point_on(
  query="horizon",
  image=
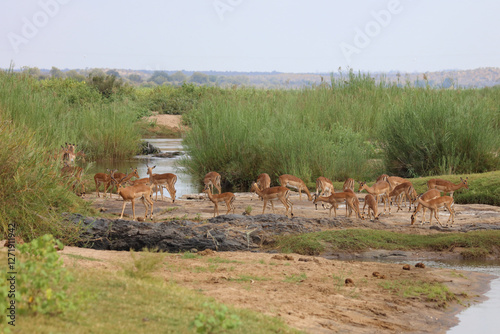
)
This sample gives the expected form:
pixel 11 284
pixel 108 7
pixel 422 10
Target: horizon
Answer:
pixel 285 36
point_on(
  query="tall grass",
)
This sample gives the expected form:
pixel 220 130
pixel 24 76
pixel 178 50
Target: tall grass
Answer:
pixel 352 127
pixel 242 133
pixel 60 111
pixel 441 132
pixel 31 194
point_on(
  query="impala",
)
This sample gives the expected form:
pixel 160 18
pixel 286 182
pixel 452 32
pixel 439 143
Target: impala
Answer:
pixel 76 173
pixel 427 196
pixel 379 188
pixel 119 176
pixel 446 186
pixel 348 184
pixel 105 179
pixel 434 205
pixel 393 180
pixel 287 180
pixel 212 179
pixel 227 197
pixel 372 207
pixel 272 194
pixel 167 179
pixel 264 181
pixel 404 189
pixel 350 198
pixel 131 193
pixel 325 186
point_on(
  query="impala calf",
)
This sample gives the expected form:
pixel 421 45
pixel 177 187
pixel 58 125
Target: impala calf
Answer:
pixel 446 186
pixel 434 205
pixel 350 199
pixel 228 198
pixel 272 194
pixel 212 179
pixel 287 180
pixel 381 188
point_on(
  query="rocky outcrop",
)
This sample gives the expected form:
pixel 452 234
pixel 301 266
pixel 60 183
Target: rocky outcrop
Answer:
pixel 222 233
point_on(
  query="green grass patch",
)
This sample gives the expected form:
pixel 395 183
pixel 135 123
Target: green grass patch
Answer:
pixel 479 242
pixel 431 292
pixel 80 257
pixel 295 278
pixel 122 304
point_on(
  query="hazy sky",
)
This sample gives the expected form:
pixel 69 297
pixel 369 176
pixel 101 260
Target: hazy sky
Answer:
pixel 251 35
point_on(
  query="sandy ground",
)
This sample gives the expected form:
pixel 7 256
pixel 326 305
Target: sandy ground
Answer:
pixel 309 293
pixel 170 121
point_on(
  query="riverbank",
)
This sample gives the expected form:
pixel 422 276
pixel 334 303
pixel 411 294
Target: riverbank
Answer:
pixel 308 292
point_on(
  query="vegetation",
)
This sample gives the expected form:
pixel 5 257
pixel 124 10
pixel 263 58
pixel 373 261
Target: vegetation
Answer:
pixel 121 302
pixel 353 127
pixel 433 291
pixel 40 282
pixel 483 242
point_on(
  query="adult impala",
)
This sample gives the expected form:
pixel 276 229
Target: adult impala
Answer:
pixel 105 179
pixel 264 181
pixel 287 180
pixel 131 193
pixel 167 179
pixel 74 173
pixel 403 190
pixel 272 194
pixel 227 197
pixel 212 179
pixel 119 176
pixel 324 186
pixel 348 184
pixel 447 186
pixel 427 196
pixel 381 188
pixel 348 196
pixel 434 205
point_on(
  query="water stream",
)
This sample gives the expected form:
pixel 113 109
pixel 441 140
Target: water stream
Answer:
pixel 479 318
pixel 184 183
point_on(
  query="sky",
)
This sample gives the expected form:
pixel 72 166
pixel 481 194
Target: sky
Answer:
pixel 298 36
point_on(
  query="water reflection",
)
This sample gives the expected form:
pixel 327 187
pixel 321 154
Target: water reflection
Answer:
pixel 184 183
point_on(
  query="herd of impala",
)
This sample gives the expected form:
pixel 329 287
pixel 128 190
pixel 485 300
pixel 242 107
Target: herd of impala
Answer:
pixel 390 189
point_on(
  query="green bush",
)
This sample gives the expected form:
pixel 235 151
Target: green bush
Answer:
pixel 40 280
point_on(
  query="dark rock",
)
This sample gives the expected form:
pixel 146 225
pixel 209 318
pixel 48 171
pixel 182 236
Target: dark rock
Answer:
pixel 148 148
pixel 167 154
pixel 222 233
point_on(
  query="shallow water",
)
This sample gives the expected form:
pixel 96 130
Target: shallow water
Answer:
pixel 184 183
pixel 483 317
